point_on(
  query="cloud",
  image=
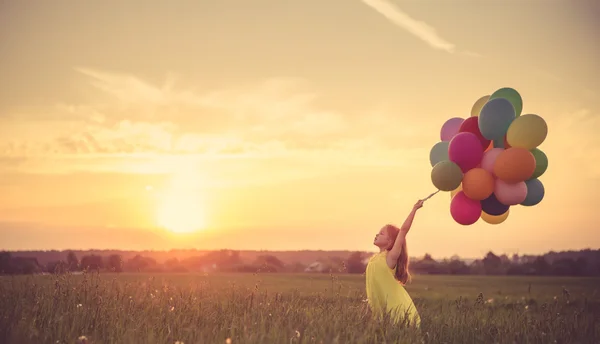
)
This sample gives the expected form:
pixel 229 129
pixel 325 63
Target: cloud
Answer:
pixel 134 126
pixel 419 29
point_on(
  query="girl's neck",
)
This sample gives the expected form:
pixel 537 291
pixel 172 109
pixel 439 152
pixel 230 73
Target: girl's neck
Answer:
pixel 382 249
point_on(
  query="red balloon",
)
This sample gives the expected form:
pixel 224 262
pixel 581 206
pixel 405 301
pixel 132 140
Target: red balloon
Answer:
pixel 471 125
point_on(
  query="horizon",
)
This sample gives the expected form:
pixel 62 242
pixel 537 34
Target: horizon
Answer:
pixel 196 125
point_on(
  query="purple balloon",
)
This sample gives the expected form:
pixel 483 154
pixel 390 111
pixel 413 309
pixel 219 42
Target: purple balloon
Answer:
pixel 450 128
pixel 492 206
pixel 465 150
pixel 464 210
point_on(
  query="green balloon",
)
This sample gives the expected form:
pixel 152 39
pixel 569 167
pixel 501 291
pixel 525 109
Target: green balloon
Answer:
pixel 512 96
pixel 541 163
pixel 439 152
pixel 446 175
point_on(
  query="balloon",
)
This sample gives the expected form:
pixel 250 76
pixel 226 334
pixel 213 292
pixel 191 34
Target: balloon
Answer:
pixel 535 192
pixel 510 194
pixel 464 210
pixel 489 159
pixel 541 163
pixel 455 191
pixel 492 206
pixel 478 184
pixel 465 150
pixel 514 165
pixel 494 219
pixel 446 175
pixel 506 144
pixel 527 131
pixel 501 143
pixel 471 125
pixel 439 152
pixel 490 147
pixel 512 96
pixel 450 128
pixel 495 118
pixel 476 109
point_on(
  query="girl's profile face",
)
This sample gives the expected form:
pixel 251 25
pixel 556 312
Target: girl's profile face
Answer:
pixel 382 239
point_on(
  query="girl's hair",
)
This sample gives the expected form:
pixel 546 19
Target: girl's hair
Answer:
pixel 401 274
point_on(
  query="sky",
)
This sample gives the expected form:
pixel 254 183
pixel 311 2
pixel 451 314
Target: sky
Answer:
pixel 282 125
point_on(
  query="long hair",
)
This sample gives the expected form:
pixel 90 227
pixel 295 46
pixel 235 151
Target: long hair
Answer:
pixel 401 273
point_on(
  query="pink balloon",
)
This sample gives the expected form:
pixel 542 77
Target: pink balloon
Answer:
pixel 489 159
pixel 465 150
pixel 450 128
pixel 510 194
pixel 464 210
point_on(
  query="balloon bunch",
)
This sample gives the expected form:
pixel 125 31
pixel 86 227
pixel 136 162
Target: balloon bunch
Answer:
pixel 490 161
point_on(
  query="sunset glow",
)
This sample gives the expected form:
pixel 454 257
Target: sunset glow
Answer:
pixel 276 129
pixel 182 207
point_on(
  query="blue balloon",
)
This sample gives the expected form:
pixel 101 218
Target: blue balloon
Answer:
pixel 492 206
pixel 495 118
pixel 439 152
pixel 499 143
pixel 535 192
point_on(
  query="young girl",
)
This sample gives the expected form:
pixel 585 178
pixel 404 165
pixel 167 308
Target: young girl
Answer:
pixel 387 273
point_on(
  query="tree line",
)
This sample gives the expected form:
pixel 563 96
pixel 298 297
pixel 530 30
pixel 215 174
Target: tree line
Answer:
pixel 573 263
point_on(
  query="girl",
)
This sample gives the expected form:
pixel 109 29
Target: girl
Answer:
pixel 387 273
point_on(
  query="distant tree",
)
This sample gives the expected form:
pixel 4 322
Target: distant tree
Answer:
pixel 5 263
pixel 354 263
pixel 540 266
pixel 457 267
pixel 427 265
pixel 268 263
pixel 57 267
pixel 72 261
pixel 25 265
pixel 115 263
pixel 92 263
pixel 492 264
pixel 140 263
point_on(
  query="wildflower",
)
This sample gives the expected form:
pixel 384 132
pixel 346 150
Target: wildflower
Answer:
pixel 489 301
pixel 297 334
pixel 79 305
pixel 179 342
pixel 82 340
pixel 526 307
pixel 228 341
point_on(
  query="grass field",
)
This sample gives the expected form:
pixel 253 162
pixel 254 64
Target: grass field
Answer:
pixel 282 308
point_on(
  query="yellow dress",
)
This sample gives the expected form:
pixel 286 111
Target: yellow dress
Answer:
pixel 384 292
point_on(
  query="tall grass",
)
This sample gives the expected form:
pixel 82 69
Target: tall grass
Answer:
pixel 246 308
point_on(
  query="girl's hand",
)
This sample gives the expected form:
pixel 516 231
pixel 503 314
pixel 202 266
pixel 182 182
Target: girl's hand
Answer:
pixel 418 205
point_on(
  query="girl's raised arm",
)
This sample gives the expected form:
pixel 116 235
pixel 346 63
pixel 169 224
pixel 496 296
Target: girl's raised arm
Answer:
pixel 394 253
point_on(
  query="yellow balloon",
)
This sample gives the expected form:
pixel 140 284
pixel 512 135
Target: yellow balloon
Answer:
pixel 527 131
pixel 455 191
pixel 494 220
pixel 476 109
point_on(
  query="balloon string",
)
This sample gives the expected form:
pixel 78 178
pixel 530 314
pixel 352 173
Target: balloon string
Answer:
pixel 428 197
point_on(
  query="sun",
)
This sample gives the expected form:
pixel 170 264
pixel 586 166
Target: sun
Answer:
pixel 182 207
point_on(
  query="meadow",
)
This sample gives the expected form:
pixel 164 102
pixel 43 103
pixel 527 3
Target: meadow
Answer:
pixel 292 308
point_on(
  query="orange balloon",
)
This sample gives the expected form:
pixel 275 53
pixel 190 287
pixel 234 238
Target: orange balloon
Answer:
pixel 514 165
pixel 478 184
